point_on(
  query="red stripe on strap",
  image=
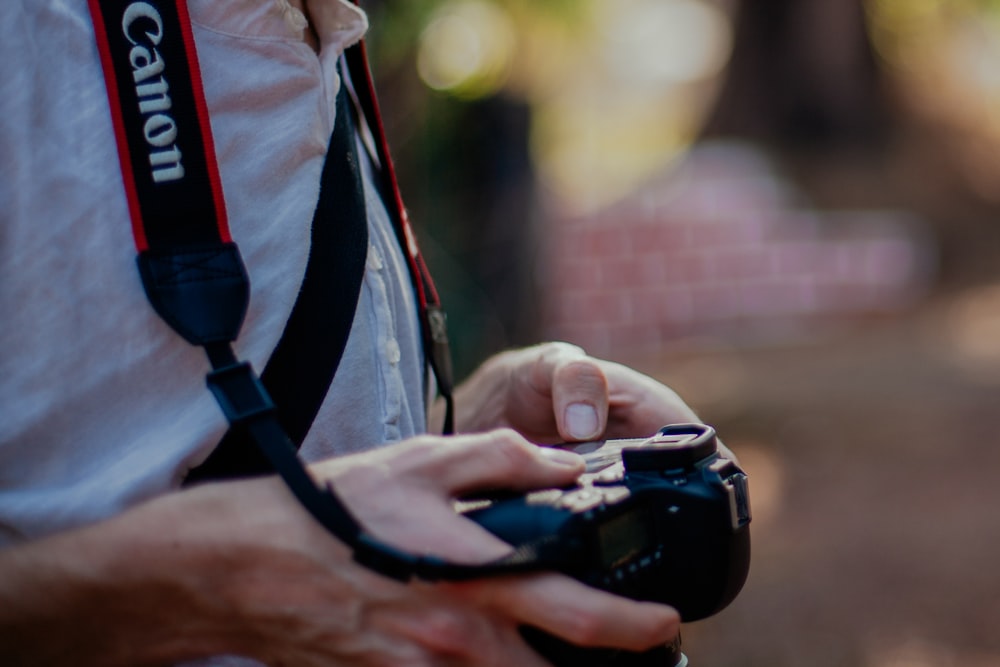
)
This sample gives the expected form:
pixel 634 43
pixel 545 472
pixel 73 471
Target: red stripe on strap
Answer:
pixel 420 275
pixel 124 158
pixel 203 121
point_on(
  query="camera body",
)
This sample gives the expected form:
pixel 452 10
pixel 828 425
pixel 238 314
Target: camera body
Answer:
pixel 663 519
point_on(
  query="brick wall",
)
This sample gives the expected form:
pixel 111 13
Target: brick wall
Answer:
pixel 722 246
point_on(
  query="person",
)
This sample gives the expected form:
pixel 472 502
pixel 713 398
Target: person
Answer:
pixel 104 558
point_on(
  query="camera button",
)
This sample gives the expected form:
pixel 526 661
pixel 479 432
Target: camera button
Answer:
pixel 613 475
pixel 722 467
pixel 581 500
pixel 546 497
pixel 615 494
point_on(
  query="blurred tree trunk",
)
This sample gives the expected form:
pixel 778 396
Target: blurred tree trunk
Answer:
pixel 803 76
pixel 804 83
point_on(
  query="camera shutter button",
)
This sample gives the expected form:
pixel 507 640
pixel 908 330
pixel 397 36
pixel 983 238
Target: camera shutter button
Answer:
pixel 581 500
pixel 613 475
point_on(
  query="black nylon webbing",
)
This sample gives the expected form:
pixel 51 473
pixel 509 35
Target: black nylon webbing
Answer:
pixel 299 372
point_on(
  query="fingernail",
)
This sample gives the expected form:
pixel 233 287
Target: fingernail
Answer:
pixel 581 421
pixel 562 457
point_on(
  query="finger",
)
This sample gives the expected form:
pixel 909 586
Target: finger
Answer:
pixel 578 389
pixel 583 615
pixel 387 487
pixel 459 634
pixel 450 466
pixel 499 459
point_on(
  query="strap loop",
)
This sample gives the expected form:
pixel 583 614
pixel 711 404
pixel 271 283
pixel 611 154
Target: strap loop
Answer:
pixel 240 393
pixel 201 292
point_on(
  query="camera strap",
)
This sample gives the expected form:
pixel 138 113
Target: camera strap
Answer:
pixel 432 316
pixel 192 270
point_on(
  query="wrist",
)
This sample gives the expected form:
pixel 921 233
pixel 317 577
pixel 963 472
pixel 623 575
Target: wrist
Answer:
pixel 149 587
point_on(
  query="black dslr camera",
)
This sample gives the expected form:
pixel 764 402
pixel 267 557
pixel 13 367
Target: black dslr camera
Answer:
pixel 663 519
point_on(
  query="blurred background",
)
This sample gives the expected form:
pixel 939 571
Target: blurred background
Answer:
pixel 785 209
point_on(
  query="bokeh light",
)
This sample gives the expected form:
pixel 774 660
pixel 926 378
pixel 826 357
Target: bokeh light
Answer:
pixel 617 88
pixel 633 99
pixel 662 43
pixel 467 49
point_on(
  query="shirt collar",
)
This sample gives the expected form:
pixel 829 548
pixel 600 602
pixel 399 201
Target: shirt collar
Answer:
pixel 338 23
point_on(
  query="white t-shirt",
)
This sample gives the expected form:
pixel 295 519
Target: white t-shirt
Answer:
pixel 101 404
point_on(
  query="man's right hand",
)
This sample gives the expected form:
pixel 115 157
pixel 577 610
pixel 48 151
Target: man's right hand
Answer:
pixel 241 568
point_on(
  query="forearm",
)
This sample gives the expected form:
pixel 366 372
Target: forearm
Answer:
pixel 140 589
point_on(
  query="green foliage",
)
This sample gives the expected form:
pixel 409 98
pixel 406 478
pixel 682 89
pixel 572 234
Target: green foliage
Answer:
pixel 396 25
pixel 395 28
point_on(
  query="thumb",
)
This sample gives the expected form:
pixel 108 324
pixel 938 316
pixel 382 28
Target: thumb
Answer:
pixel 579 392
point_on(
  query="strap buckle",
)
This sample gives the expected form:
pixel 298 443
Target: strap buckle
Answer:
pixel 239 392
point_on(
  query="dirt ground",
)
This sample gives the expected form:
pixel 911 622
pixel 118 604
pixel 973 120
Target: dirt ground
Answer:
pixel 874 463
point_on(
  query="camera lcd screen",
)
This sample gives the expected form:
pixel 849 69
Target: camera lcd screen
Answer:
pixel 623 538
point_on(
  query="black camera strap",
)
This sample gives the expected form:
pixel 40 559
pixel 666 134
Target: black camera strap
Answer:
pixel 193 273
pixel 191 269
pixel 299 371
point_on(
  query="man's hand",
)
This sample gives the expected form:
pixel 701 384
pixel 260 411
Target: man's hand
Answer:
pixel 554 392
pixel 240 567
